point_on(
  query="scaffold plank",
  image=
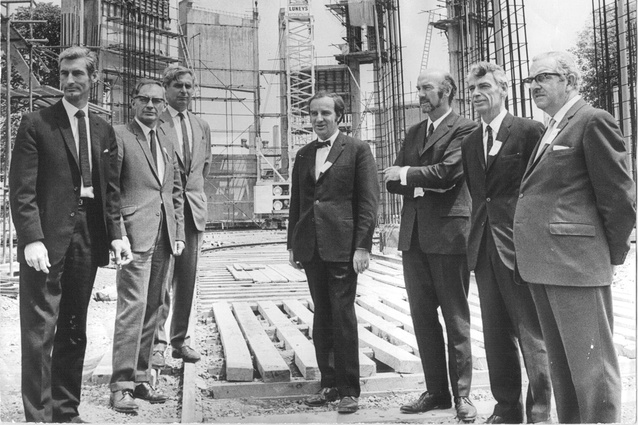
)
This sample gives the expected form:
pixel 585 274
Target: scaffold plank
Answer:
pixel 270 363
pixel 389 331
pixel 386 312
pixel 239 365
pixel 398 359
pixel 239 274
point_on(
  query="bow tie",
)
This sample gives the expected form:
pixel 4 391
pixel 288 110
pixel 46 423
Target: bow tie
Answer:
pixel 324 144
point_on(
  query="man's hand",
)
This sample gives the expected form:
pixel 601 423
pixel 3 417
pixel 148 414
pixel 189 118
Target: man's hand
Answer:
pixel 392 173
pixel 361 260
pixel 291 260
pixel 179 248
pixel 121 249
pixel 37 256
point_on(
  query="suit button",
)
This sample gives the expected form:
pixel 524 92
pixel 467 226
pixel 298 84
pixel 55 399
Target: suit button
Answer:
pixel 157 214
pixel 75 189
pixel 72 214
pixel 317 202
pixel 520 195
pixel 488 199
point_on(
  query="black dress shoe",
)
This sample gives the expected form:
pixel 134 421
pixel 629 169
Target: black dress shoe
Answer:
pixel 348 404
pixel 495 419
pixel 122 401
pixel 186 353
pixel 145 391
pixel 324 396
pixel 77 420
pixel 426 402
pixel 465 410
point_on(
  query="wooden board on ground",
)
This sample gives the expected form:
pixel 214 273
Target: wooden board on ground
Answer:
pixel 239 274
pixel 398 359
pixel 270 363
pixel 239 365
pixel 388 313
pixel 305 358
pixel 389 331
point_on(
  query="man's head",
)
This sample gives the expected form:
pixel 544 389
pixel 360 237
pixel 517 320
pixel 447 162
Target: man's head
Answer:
pixel 148 102
pixel 554 79
pixel 78 71
pixel 326 111
pixel 487 83
pixel 179 83
pixel 436 91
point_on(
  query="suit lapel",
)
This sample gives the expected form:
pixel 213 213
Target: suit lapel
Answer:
pixel 502 136
pixel 420 138
pixel 197 138
pixel 333 155
pixel 439 132
pixel 67 134
pixel 167 123
pixel 144 145
pixel 477 146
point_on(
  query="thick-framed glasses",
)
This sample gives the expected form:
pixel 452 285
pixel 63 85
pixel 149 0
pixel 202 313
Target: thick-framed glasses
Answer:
pixel 540 78
pixel 157 101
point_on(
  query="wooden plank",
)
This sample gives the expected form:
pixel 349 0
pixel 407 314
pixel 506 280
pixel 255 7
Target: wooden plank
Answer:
pixel 259 276
pixel 274 275
pixel 390 290
pixel 289 272
pixel 367 367
pixel 270 363
pixel 390 280
pixel 399 305
pixel 386 312
pixel 387 330
pixel 305 358
pixel 239 274
pixel 239 365
pixel 398 359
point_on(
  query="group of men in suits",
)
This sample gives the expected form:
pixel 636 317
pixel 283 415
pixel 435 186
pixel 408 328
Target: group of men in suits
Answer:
pixel 542 216
pixel 78 188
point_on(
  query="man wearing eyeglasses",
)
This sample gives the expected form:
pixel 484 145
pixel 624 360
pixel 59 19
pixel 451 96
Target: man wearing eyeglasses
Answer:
pixel 152 219
pixel 575 211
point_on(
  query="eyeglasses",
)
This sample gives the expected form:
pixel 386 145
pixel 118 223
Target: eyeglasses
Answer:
pixel 539 78
pixel 157 101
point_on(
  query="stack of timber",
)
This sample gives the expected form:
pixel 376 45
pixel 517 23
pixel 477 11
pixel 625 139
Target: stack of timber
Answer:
pixel 263 312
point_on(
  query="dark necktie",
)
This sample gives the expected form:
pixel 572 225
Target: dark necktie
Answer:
pixel 323 144
pixel 490 143
pixel 85 164
pixel 430 131
pixel 153 147
pixel 185 145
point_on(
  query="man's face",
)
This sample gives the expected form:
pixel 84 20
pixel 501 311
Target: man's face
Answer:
pixel 149 104
pixel 75 81
pixel 430 94
pixel 323 117
pixel 551 94
pixel 487 95
pixel 180 92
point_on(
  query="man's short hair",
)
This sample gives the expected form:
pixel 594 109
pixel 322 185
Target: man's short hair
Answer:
pixel 340 106
pixel 145 82
pixel 482 68
pixel 449 84
pixel 565 64
pixel 80 52
pixel 173 72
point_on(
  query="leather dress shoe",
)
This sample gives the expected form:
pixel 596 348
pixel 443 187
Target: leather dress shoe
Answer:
pixel 495 419
pixel 158 361
pixel 428 401
pixel 324 396
pixel 122 401
pixel 465 410
pixel 76 420
pixel 146 392
pixel 186 353
pixel 348 404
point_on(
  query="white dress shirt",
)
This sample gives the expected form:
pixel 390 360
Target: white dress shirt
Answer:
pixel 322 154
pixel 85 192
pixel 177 121
pixel 495 125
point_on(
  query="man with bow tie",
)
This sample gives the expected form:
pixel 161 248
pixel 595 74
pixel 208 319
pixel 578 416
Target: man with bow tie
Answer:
pixel 333 211
pixel 433 237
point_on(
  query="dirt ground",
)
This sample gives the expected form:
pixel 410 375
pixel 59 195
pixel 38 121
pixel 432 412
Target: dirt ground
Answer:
pixel 95 398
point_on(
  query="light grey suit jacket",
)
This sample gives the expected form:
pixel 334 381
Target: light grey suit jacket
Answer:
pixel 143 191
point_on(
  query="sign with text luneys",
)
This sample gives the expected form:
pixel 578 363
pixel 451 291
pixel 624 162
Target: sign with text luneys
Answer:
pixel 272 198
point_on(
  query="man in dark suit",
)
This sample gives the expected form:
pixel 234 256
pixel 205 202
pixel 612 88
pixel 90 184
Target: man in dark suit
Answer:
pixel 151 213
pixel 575 212
pixel 60 196
pixel 333 210
pixel 495 156
pixel 433 237
pixel 191 139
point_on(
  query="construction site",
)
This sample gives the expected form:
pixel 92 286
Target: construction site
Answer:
pixel 252 90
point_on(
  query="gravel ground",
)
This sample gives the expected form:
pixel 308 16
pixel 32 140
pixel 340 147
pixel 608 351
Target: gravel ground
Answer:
pixel 95 398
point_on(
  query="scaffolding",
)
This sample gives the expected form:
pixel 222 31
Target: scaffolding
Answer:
pixel 614 67
pixel 488 30
pixel 373 37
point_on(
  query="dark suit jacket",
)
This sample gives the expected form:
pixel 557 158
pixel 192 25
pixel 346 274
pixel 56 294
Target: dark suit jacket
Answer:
pixel 576 205
pixel 494 190
pixel 143 192
pixel 194 178
pixel 338 211
pixel 44 182
pixel 442 217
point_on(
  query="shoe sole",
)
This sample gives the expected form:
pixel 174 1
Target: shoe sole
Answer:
pixel 439 407
pixel 127 411
pixel 348 410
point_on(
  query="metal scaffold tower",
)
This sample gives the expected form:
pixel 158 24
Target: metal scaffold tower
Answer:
pixel 297 59
pixel 488 30
pixel 373 37
pixel 614 67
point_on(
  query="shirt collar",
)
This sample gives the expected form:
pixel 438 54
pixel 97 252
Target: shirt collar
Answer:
pixel 495 124
pixel 71 110
pixel 440 120
pixel 558 117
pixel 174 111
pixel 144 128
pixel 332 138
